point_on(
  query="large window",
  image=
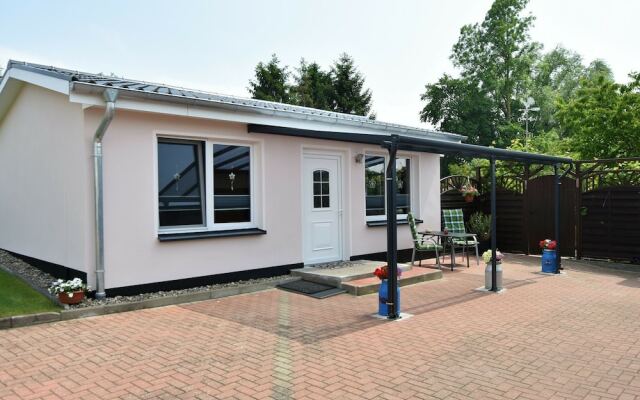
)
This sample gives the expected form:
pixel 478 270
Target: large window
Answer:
pixel 375 187
pixel 231 183
pixel 190 172
pixel 180 183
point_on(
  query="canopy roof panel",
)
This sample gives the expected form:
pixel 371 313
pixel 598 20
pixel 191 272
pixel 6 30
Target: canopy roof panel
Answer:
pixel 412 143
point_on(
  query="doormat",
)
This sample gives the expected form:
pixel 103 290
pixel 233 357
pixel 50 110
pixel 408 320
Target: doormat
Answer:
pixel 312 289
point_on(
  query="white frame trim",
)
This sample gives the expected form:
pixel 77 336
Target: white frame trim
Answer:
pixel 255 190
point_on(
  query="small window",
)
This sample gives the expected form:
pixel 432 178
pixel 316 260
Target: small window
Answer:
pixel 374 182
pixel 231 183
pixel 321 195
pixel 180 183
pixel 402 185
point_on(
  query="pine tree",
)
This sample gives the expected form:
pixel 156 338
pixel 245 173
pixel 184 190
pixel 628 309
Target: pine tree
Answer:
pixel 313 87
pixel 349 94
pixel 270 82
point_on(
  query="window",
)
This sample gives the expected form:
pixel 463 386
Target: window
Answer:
pixel 374 181
pixel 403 199
pixel 190 171
pixel 375 170
pixel 321 197
pixel 231 183
pixel 180 183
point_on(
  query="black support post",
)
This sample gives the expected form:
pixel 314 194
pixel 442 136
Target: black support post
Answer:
pixel 494 272
pixel 392 227
pixel 557 216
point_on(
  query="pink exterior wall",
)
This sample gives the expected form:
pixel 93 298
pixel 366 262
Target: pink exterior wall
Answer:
pixel 45 179
pixel 133 254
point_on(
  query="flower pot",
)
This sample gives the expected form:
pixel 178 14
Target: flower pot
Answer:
pixel 383 296
pixel 549 261
pixel 488 272
pixel 71 298
pixel 469 198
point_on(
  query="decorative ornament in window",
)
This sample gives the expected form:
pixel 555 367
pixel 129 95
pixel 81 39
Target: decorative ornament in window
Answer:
pixel 232 177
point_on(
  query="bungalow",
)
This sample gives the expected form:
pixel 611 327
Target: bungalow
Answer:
pixel 137 186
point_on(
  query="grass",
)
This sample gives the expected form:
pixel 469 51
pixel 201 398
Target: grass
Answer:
pixel 18 298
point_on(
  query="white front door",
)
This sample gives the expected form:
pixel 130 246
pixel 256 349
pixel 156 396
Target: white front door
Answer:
pixel 321 208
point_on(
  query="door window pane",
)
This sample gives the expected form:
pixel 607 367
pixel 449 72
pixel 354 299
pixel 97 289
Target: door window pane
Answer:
pixel 374 185
pixel 321 195
pixel 180 183
pixel 403 197
pixel 231 183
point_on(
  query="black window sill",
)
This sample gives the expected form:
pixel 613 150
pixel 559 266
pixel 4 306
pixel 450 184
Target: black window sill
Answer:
pixel 166 237
pixel 384 222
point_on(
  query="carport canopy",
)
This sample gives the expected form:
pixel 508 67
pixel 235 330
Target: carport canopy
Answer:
pixel 426 144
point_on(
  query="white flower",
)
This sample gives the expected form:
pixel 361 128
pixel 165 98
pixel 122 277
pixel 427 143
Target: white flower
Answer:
pixel 70 294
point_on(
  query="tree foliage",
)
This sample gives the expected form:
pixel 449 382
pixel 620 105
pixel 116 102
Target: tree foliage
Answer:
pixel 313 87
pixel 602 120
pixel 349 93
pixel 271 82
pixel 340 89
pixel 499 54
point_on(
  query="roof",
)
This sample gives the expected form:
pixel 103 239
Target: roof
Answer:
pixel 408 143
pixel 174 93
pixel 375 132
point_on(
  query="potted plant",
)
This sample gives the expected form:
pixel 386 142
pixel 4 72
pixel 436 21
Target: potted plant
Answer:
pixel 487 257
pixel 69 292
pixel 549 256
pixel 383 293
pixel 469 192
pixel 480 224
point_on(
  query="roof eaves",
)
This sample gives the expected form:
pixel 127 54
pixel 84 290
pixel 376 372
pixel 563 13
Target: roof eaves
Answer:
pixel 283 110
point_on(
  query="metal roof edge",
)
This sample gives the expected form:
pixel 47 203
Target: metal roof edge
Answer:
pixel 378 127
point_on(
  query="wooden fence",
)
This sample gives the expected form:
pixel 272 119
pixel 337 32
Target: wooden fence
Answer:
pixel 600 208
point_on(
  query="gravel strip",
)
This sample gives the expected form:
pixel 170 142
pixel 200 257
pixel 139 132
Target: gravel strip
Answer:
pixel 42 280
pixel 339 264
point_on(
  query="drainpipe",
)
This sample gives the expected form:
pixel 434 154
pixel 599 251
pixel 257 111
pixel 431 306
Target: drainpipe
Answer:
pixel 110 96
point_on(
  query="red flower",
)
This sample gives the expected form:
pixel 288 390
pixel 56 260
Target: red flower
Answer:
pixel 548 244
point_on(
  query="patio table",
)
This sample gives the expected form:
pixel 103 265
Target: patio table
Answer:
pixel 448 238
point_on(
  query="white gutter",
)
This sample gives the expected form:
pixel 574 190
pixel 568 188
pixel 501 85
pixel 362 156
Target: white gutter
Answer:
pixel 110 96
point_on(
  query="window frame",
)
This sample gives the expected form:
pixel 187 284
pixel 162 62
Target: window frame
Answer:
pixel 208 194
pixel 412 185
pixel 201 147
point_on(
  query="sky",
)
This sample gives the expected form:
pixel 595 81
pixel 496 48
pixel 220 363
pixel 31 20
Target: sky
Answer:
pixel 399 46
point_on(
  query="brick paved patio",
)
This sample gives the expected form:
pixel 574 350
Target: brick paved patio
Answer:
pixel 547 337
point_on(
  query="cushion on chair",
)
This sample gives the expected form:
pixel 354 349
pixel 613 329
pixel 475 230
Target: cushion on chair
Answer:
pixel 462 242
pixel 454 220
pixel 428 246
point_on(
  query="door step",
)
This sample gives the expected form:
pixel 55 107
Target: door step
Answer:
pixel 360 287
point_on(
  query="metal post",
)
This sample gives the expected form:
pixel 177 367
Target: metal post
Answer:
pixel 557 217
pixel 392 231
pixel 494 272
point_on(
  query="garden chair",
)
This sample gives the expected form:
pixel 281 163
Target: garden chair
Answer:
pixel 454 223
pixel 422 243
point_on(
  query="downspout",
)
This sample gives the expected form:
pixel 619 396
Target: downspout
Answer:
pixel 110 96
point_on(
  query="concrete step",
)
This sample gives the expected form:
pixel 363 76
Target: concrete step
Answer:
pixel 370 285
pixel 352 270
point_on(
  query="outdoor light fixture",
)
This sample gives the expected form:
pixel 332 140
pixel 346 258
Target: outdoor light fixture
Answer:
pixel 359 158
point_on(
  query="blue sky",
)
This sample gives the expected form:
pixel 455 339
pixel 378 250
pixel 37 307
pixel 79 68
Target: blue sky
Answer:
pixel 214 45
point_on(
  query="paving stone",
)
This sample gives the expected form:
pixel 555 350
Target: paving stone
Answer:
pixel 574 337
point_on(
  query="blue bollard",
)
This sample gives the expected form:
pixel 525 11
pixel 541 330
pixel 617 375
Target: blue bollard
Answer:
pixel 383 295
pixel 549 261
